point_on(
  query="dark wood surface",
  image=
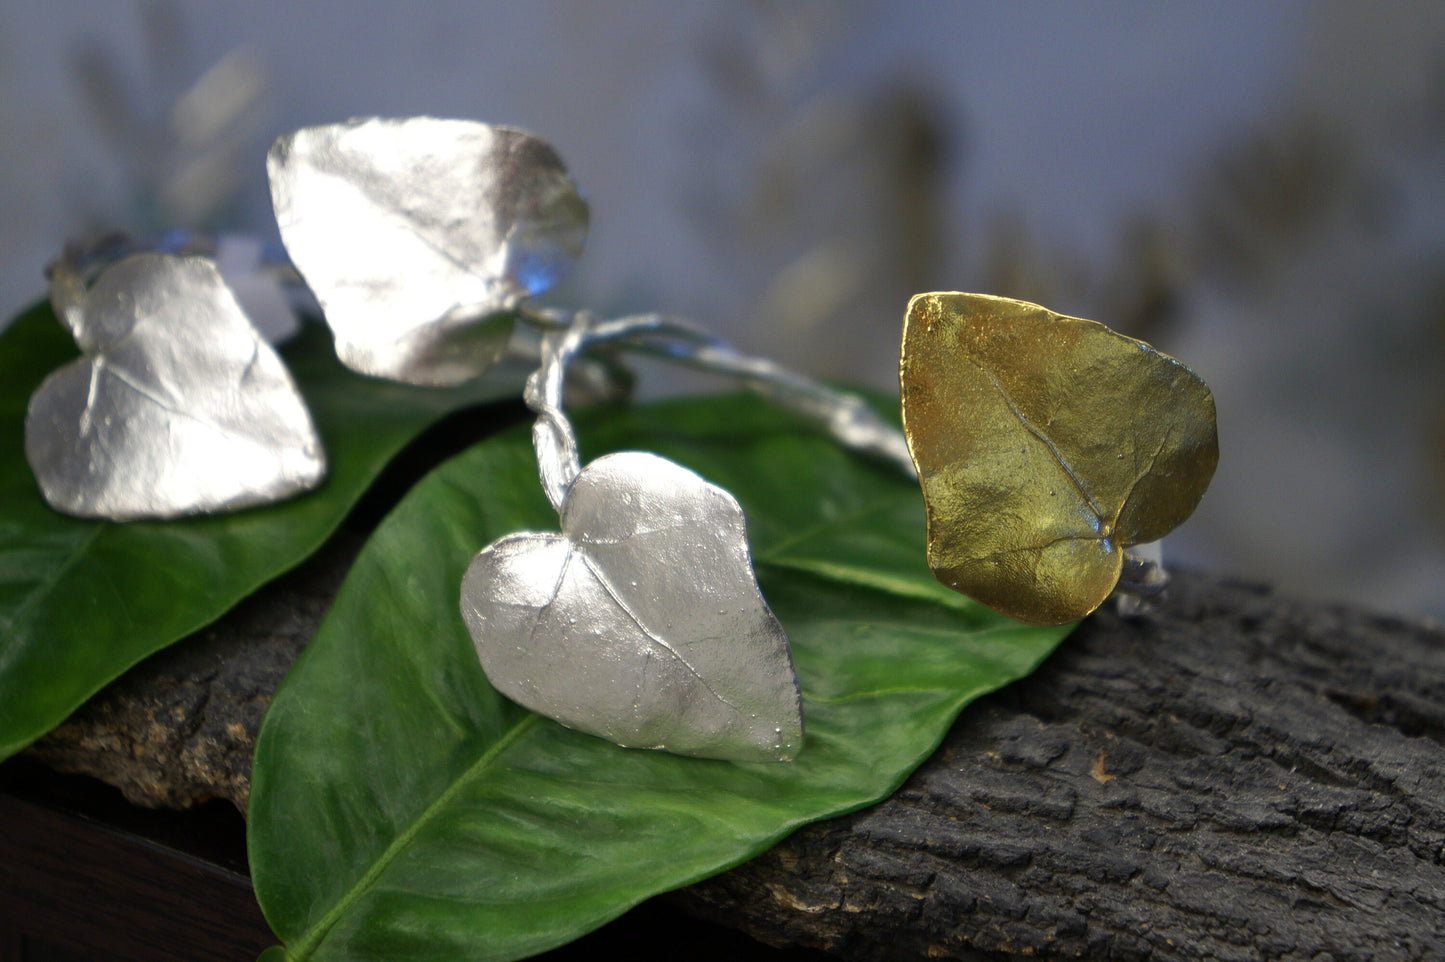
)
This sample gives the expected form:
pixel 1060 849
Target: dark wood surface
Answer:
pixel 83 875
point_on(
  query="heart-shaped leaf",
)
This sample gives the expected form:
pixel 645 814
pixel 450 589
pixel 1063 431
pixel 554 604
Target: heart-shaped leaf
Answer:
pixel 641 622
pixel 401 808
pixel 419 236
pixel 178 407
pixel 1045 446
pixel 81 600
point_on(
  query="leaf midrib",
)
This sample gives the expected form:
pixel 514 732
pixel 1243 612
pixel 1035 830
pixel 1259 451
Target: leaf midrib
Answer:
pixel 312 938
pixel 1041 437
pixel 773 552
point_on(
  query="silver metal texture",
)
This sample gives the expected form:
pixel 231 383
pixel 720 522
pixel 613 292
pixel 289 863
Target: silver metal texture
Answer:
pixel 1143 579
pixel 420 236
pixel 258 273
pixel 558 462
pixel 177 407
pixel 847 417
pixel 641 622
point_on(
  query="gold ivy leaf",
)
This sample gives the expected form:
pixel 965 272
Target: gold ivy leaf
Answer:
pixel 1045 445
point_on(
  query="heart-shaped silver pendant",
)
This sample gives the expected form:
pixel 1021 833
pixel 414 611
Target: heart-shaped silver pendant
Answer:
pixel 177 407
pixel 642 622
pixel 420 236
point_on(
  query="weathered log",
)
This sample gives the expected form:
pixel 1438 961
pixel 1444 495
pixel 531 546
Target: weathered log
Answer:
pixel 180 728
pixel 1230 776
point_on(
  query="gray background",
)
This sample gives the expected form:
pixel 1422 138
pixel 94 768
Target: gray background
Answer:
pixel 1257 188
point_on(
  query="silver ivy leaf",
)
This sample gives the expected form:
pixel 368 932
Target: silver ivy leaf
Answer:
pixel 177 406
pixel 641 622
pixel 419 236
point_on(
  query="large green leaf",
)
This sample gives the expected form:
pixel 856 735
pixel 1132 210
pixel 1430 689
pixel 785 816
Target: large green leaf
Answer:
pixel 402 809
pixel 82 601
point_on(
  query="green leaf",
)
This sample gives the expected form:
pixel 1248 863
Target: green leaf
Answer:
pixel 82 601
pixel 402 809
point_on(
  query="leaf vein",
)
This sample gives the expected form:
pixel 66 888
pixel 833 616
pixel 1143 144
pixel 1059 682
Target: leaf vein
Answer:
pixel 1139 475
pixel 1036 547
pixel 312 938
pixel 652 636
pixel 837 521
pixel 1039 434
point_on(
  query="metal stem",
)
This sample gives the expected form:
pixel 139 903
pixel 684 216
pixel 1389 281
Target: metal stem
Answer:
pixel 847 417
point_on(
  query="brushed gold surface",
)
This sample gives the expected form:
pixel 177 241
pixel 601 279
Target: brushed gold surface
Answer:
pixel 1045 445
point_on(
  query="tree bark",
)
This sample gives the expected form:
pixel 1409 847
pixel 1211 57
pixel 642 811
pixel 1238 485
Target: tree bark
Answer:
pixel 1228 776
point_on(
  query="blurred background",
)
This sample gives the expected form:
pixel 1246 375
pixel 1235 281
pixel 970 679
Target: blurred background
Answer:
pixel 1257 188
